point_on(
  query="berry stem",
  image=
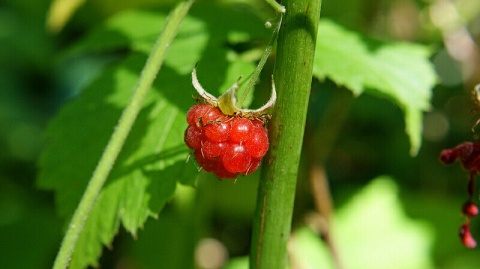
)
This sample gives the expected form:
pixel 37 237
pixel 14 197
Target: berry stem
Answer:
pixel 278 8
pixel 256 73
pixel 319 141
pixel 117 140
pixel 471 186
pixel 293 77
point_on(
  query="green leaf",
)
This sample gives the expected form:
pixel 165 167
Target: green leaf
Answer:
pixel 200 30
pixel 398 71
pixel 137 30
pixel 371 231
pixel 153 159
pixel 148 168
pixel 131 29
pixel 238 263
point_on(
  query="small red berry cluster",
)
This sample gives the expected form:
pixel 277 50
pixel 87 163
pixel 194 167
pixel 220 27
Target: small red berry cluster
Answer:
pixel 225 145
pixel 469 155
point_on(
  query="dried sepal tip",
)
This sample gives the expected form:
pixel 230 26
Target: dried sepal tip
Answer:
pixel 227 102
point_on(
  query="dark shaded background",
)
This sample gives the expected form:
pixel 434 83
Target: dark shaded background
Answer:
pixel 34 83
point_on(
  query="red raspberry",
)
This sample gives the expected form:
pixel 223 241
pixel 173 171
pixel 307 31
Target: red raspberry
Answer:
pixel 241 128
pixel 253 165
pixel 203 114
pixel 218 132
pixel 466 236
pixel 193 137
pixel 236 158
pixel 195 113
pixel 470 209
pixel 225 145
pixel 258 124
pixel 207 165
pixel 212 150
pixel 221 172
pixel 257 144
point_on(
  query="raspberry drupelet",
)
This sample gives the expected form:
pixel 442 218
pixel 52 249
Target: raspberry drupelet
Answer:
pixel 469 155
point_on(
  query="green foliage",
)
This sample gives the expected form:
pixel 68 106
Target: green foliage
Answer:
pixel 96 59
pixel 398 71
pixel 25 218
pixel 153 158
pixel 152 162
pixel 372 222
pixel 370 231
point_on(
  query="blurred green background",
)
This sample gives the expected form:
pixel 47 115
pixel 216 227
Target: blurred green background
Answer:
pixel 34 83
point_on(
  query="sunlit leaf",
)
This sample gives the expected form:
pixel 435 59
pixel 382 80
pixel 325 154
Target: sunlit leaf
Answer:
pixel 148 168
pixel 153 159
pixel 60 12
pixel 398 71
pixel 371 231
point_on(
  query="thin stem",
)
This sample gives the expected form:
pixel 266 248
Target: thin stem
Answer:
pixel 125 123
pixel 279 8
pixel 324 206
pixel 471 186
pixel 293 77
pixel 256 73
pixel 319 141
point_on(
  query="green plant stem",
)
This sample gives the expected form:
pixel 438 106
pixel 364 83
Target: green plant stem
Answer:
pixel 117 140
pixel 279 8
pixel 293 77
pixel 256 73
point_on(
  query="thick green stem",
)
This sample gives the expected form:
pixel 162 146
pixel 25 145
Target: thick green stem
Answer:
pixel 117 140
pixel 293 77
